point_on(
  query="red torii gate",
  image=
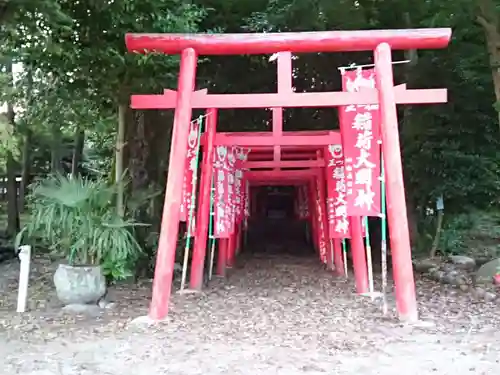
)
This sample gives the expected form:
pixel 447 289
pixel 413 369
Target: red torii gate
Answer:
pixel 186 99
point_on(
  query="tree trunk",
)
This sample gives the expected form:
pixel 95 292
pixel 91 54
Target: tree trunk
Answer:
pixel 488 19
pixel 55 152
pixel 12 206
pixel 119 159
pixel 77 151
pixel 12 203
pixel 26 170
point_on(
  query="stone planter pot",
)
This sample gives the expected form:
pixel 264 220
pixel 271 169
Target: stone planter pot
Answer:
pixel 79 284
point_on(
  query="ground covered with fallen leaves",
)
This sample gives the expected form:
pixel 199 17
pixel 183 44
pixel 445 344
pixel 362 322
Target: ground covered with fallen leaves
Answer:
pixel 274 314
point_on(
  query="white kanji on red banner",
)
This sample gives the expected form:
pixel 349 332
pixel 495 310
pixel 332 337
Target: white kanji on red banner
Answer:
pixel 360 129
pixel 338 223
pixel 221 211
pixel 190 172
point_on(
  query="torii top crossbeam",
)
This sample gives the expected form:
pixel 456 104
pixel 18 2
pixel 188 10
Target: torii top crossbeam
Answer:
pixel 304 42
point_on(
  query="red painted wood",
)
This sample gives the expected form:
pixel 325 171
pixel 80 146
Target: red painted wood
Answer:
pixel 396 208
pixel 320 180
pixel 284 86
pixel 307 156
pixel 284 164
pixel 278 183
pixel 222 257
pixel 280 174
pixel 277 131
pixel 162 283
pixel 231 249
pixel 358 255
pixel 298 42
pixel 288 148
pixel 203 214
pixel 305 99
pixel 285 140
pixel 313 213
pixel 238 239
pixel 338 258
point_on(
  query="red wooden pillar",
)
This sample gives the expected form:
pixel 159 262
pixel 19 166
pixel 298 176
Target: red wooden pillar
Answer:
pixel 312 214
pixel 396 207
pixel 222 257
pixel 358 255
pixel 203 214
pixel 162 283
pixel 338 257
pixel 238 238
pixel 231 248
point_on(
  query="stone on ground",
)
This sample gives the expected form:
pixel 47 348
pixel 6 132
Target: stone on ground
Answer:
pixel 462 261
pixel 487 271
pixel 425 265
pixel 82 309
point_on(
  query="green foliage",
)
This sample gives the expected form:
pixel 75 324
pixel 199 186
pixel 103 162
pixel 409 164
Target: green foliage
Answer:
pixel 77 218
pixel 475 233
pixel 77 70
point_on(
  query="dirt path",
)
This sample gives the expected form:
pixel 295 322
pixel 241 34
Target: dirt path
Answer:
pixel 274 316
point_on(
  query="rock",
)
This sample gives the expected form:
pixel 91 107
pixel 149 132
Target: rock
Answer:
pixel 436 274
pixel 459 280
pixel 105 304
pixel 82 309
pixel 487 271
pixel 489 296
pixel 425 265
pixel 483 260
pixel 447 278
pixel 79 285
pixel 463 262
pixel 464 287
pixel 479 293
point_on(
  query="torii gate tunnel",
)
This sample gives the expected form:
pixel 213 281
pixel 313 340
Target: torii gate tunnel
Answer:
pixel 277 150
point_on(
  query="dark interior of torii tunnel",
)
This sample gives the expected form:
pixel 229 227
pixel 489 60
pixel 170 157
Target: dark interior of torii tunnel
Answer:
pixel 274 229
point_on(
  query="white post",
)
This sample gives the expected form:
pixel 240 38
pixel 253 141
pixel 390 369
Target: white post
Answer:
pixel 24 274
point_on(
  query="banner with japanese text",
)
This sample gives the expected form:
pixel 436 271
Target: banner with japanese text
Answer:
pixel 190 172
pixel 338 223
pixel 360 130
pixel 241 157
pixel 231 187
pixel 322 231
pixel 221 196
pixel 247 198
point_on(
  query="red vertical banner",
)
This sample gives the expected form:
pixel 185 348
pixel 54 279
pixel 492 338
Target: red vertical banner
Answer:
pixel 320 212
pixel 241 157
pixel 191 171
pixel 360 129
pixel 221 229
pixel 239 192
pixel 247 199
pixel 338 224
pixel 231 191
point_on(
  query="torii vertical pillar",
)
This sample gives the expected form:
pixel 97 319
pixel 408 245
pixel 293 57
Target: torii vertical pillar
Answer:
pixel 396 204
pixel 165 258
pixel 203 214
pixel 358 255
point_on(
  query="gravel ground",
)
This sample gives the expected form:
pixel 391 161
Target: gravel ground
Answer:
pixel 273 315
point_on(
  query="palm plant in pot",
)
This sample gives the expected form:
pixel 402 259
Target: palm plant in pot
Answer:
pixel 77 219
